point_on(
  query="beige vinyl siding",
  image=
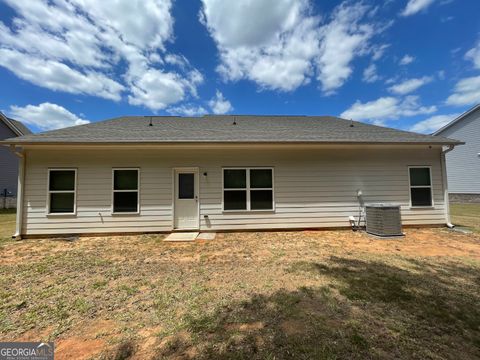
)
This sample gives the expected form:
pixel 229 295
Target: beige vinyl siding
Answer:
pixel 313 187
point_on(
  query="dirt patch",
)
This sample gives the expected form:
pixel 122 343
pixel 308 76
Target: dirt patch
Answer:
pixel 78 348
pixel 99 328
pixel 245 327
pixel 293 327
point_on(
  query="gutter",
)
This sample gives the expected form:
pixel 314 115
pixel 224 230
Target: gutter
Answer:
pixel 223 143
pixel 445 185
pixel 20 192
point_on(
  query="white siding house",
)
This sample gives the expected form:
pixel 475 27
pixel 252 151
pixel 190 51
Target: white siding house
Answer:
pixel 463 163
pixel 134 187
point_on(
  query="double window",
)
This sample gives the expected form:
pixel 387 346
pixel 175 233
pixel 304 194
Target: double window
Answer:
pixel 125 191
pixel 62 191
pixel 420 186
pixel 247 189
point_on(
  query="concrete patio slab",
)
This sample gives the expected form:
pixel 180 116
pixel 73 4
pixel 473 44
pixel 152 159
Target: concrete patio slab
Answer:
pixel 206 236
pixel 182 236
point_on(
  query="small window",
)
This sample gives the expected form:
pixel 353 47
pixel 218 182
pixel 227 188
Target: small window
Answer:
pixel 125 190
pixel 247 189
pixel 61 191
pixel 420 186
pixel 186 185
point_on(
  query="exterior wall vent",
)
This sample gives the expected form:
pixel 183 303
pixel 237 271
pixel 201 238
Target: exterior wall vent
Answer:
pixel 383 219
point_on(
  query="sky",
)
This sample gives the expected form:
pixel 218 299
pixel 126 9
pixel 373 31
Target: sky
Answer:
pixel 408 64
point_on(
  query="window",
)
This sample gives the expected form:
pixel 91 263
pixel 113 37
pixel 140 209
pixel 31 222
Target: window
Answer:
pixel 125 191
pixel 247 189
pixel 61 191
pixel 420 186
pixel 186 185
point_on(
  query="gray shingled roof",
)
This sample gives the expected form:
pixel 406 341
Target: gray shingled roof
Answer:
pixel 221 129
pixel 20 126
pixel 17 127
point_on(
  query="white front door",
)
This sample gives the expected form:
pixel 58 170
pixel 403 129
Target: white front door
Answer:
pixel 186 207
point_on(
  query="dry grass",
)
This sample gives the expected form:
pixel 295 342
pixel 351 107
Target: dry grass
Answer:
pixel 466 215
pixel 288 295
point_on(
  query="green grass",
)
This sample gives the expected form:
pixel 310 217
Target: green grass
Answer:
pixel 466 215
pixel 7 225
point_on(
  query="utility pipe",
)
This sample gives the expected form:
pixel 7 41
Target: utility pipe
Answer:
pixel 445 185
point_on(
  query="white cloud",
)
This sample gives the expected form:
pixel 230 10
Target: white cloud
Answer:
pixel 98 48
pixel 474 55
pixel 157 90
pixel 30 38
pixel 342 39
pixel 410 85
pixel 433 123
pixel 271 42
pixel 386 108
pixel 187 110
pixel 58 76
pixel 415 6
pixel 466 92
pixel 378 51
pixel 370 74
pixel 407 59
pixel 219 104
pixel 280 44
pixel 142 23
pixel 46 116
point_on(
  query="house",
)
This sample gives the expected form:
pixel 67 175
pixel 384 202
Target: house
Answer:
pixel 463 164
pixel 9 162
pixel 211 173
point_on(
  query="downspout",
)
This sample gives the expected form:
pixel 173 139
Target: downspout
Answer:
pixel 445 185
pixel 20 191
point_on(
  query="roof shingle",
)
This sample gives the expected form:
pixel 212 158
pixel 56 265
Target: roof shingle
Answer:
pixel 229 129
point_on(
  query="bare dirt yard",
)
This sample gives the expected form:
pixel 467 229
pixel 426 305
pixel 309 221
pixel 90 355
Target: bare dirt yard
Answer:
pixel 282 295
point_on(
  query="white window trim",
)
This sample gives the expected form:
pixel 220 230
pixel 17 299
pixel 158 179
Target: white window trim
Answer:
pixel 114 191
pixel 410 186
pixel 248 189
pixel 62 191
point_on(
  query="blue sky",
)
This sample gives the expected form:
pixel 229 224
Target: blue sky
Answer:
pixel 409 64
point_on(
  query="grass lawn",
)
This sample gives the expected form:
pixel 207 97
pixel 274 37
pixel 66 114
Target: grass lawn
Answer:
pixel 7 225
pixel 466 215
pixel 284 295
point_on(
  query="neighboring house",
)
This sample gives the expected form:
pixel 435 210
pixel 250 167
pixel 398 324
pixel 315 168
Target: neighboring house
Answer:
pixel 9 161
pixel 463 164
pixel 158 174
